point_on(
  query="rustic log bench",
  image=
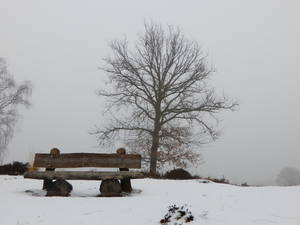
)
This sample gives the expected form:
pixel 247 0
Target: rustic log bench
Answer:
pixel 113 182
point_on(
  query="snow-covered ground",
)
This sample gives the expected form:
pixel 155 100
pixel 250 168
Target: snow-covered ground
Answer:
pixel 23 203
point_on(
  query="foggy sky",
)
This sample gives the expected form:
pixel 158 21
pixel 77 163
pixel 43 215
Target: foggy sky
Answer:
pixel 254 46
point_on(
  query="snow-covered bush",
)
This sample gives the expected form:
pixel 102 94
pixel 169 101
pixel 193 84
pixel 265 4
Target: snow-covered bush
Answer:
pixel 177 215
pixel 288 176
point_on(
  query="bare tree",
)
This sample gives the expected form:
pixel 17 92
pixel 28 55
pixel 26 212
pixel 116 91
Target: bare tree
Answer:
pixel 11 95
pixel 162 85
pixel 288 176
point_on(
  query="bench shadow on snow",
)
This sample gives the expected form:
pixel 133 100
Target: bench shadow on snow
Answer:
pixel 92 192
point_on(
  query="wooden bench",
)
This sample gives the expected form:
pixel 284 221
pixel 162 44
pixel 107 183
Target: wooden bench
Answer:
pixel 113 182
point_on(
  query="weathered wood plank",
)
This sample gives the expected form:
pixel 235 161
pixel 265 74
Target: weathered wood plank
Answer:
pixel 82 175
pixel 74 160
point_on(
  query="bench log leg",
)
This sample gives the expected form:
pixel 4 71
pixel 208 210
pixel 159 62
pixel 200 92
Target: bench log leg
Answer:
pixel 54 152
pixel 110 188
pixel 59 188
pixel 47 182
pixel 126 183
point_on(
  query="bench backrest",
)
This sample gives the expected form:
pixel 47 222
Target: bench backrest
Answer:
pixel 74 160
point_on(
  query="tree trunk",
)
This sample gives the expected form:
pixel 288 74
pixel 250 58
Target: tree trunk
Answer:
pixel 153 156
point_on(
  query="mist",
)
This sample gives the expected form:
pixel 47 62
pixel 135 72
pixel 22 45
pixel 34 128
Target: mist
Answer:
pixel 254 46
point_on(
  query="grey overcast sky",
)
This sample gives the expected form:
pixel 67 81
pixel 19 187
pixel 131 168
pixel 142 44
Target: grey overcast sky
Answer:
pixel 254 45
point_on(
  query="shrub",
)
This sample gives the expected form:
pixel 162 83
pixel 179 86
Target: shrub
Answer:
pixel 178 174
pixel 288 176
pixel 245 184
pixel 15 168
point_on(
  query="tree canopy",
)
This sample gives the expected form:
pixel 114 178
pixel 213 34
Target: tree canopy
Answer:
pixel 12 94
pixel 161 84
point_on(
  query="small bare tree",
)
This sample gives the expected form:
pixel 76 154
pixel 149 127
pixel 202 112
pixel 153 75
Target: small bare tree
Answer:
pixel 176 147
pixel 11 95
pixel 288 176
pixel 161 85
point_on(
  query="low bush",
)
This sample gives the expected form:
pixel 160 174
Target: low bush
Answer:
pixel 245 184
pixel 178 174
pixel 181 174
pixel 15 168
